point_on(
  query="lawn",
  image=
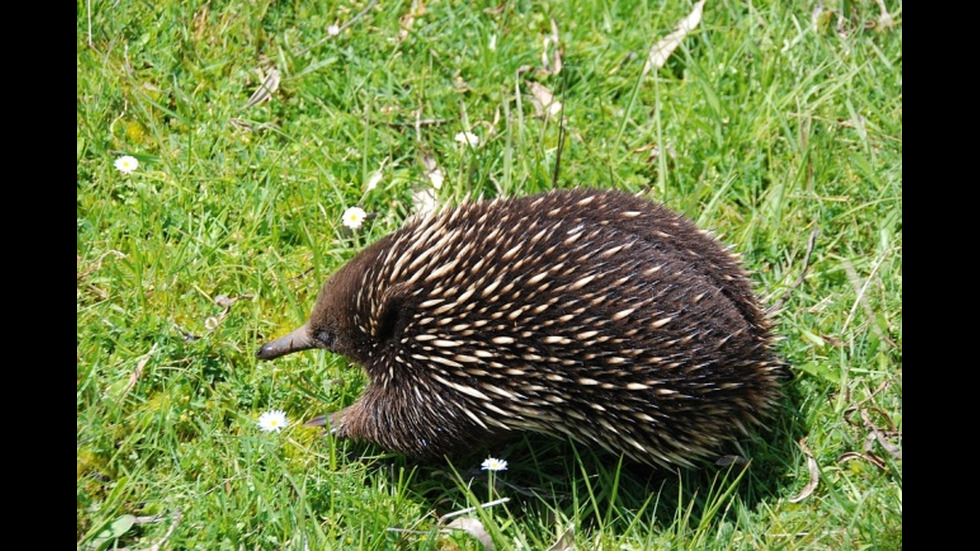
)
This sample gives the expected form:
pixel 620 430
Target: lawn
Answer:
pixel 219 144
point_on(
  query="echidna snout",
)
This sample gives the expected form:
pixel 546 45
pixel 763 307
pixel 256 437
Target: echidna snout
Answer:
pixel 595 315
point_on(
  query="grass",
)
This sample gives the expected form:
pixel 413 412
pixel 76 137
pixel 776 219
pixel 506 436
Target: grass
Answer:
pixel 771 121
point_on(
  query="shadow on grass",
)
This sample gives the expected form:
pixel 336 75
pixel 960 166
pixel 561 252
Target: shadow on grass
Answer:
pixel 547 478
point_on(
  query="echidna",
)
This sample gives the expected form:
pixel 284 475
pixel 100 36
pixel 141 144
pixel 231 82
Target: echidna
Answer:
pixel 595 315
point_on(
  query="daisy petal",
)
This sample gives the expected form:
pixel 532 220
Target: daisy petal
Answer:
pixel 493 464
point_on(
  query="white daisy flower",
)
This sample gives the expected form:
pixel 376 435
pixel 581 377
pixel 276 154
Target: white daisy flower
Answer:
pixel 493 464
pixel 273 420
pixel 468 138
pixel 333 30
pixel 126 164
pixel 354 217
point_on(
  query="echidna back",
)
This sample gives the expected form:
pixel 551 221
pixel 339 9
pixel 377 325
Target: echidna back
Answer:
pixel 589 314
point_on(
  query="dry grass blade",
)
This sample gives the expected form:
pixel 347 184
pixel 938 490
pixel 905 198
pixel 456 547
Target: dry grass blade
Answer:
pixel 471 525
pixel 95 265
pixel 653 151
pixel 436 177
pixel 566 542
pixel 820 16
pixel 212 322
pixel 856 407
pixel 875 435
pixel 149 519
pixel 134 377
pixel 265 90
pixel 885 20
pixel 883 436
pixel 225 301
pixel 239 123
pixel 474 528
pixel 867 457
pixel 416 123
pixel 406 21
pixel 660 52
pixel 305 273
pixel 543 100
pixel 432 171
pixel 173 524
pixel 424 198
pixel 88 16
pixel 447 516
pixel 200 21
pixel 892 449
pixel 551 65
pixel 429 161
pixel 186 335
pixel 870 425
pixel 814 469
pixel 880 435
